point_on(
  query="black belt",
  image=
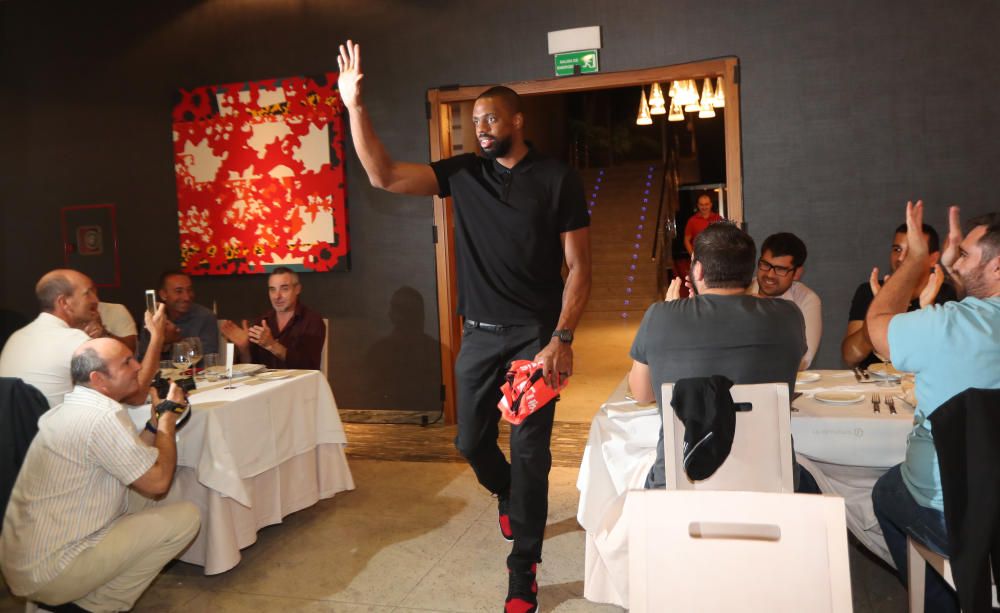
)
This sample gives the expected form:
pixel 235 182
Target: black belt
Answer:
pixel 482 325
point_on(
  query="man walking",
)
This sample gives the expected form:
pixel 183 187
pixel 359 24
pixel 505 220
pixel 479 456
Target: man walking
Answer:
pixel 518 215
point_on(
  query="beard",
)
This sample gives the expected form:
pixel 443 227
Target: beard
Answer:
pixel 972 283
pixel 499 148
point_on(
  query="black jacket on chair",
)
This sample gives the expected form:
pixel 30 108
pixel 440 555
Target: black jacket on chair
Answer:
pixel 967 439
pixel 20 407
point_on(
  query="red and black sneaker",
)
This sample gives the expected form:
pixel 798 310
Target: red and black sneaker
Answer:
pixel 522 591
pixel 503 506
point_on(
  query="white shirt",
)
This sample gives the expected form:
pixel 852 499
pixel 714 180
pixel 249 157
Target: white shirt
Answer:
pixel 72 486
pixel 812 312
pixel 40 353
pixel 116 319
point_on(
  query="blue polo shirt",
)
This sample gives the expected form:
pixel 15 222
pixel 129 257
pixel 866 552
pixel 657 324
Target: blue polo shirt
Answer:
pixel 950 347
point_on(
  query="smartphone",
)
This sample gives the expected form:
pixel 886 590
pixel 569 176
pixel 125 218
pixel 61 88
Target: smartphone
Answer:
pixel 151 301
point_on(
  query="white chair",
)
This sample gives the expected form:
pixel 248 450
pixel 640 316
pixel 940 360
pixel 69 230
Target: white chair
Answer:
pixel 761 456
pixel 324 359
pixel 737 551
pixel 916 555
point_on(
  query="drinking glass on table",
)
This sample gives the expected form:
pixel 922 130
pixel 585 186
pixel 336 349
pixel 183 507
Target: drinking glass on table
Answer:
pixel 180 356
pixel 211 361
pixel 194 351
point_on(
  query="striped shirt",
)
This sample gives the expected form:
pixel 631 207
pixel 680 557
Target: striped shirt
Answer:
pixel 72 486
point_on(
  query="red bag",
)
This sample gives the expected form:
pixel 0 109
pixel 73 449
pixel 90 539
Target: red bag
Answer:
pixel 525 391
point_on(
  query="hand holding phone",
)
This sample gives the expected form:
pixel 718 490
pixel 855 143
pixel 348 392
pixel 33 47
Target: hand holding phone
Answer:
pixel 151 301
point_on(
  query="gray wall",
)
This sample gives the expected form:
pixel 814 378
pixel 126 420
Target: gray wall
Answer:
pixel 849 109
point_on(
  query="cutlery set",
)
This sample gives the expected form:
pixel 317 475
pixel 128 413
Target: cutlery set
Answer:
pixel 890 404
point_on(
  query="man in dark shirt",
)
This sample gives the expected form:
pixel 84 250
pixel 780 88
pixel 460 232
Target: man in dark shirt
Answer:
pixel 856 348
pixel 290 335
pixel 185 317
pixel 719 331
pixel 517 216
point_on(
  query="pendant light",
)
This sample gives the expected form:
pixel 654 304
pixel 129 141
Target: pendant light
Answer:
pixel 656 96
pixel 707 95
pixel 691 104
pixel 676 112
pixel 706 110
pixel 643 119
pixel 720 97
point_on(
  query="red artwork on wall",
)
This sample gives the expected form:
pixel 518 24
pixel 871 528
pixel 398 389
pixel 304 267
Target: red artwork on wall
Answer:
pixel 260 176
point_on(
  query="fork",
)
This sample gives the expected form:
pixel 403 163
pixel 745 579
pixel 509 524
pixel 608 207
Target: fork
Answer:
pixel 889 402
pixel 875 403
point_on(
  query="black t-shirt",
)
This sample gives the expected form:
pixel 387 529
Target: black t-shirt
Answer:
pixel 863 297
pixel 507 227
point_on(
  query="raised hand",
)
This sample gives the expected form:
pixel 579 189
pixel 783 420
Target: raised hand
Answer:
pixel 349 81
pixel 673 290
pixel 873 281
pixel 950 252
pixel 916 244
pixel 930 291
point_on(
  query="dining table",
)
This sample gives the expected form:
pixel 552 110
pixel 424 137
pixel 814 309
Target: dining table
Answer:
pixel 838 437
pixel 252 451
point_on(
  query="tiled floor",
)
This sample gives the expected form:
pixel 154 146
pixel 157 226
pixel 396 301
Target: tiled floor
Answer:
pixel 414 536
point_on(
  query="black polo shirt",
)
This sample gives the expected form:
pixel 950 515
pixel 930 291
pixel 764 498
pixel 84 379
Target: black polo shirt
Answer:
pixel 507 227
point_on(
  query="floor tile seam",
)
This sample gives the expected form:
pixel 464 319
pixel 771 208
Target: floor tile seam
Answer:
pixel 431 568
pixel 180 605
pixel 302 598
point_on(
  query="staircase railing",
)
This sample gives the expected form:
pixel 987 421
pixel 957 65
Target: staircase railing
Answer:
pixel 666 223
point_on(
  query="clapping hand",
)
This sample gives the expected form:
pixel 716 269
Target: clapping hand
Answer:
pixel 261 334
pixel 930 291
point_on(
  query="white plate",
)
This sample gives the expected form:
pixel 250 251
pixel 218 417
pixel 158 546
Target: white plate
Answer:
pixel 274 376
pixel 884 371
pixel 839 397
pixel 239 370
pixel 807 377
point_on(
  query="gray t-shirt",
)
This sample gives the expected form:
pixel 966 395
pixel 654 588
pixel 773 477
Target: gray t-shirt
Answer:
pixel 743 338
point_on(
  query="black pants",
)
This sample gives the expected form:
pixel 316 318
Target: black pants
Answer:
pixel 479 373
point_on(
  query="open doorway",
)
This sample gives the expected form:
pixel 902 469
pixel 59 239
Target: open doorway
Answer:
pixel 589 121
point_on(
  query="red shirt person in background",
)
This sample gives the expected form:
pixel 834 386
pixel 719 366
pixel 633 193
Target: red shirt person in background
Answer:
pixel 703 218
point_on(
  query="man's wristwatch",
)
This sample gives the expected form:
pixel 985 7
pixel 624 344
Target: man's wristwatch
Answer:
pixel 565 336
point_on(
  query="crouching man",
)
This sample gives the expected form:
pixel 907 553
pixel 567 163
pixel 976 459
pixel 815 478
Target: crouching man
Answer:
pixel 80 527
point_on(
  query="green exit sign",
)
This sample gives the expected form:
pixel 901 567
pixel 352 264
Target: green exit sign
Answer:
pixel 566 63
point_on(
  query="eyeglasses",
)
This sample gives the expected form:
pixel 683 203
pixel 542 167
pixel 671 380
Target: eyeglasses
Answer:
pixel 765 266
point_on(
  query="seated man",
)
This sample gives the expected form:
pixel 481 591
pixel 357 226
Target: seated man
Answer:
pixel 719 331
pixel 80 526
pixel 950 348
pixel 291 335
pixel 186 317
pixel 39 353
pixel 856 348
pixel 779 269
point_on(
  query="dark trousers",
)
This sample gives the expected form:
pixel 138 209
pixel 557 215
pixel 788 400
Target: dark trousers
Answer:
pixel 479 373
pixel 899 515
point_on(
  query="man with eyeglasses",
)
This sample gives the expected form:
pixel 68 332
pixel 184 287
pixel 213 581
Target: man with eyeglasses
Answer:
pixel 856 348
pixel 779 269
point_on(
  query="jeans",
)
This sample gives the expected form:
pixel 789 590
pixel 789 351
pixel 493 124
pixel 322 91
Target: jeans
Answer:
pixel 479 373
pixel 899 515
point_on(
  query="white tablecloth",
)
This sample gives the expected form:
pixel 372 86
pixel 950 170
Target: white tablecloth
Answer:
pixel 251 455
pixel 846 448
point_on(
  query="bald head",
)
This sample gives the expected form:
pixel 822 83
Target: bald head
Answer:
pixel 69 295
pixel 107 366
pixel 92 356
pixel 52 285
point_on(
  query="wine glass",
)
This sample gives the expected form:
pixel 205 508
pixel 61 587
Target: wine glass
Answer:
pixel 194 350
pixel 180 356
